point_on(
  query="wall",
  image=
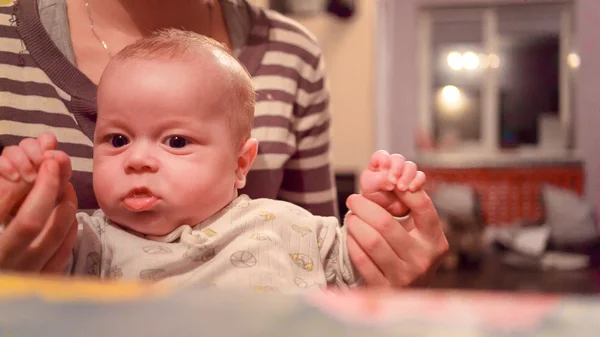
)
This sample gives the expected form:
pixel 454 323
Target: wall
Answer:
pixel 348 50
pixel 587 99
pixel 396 76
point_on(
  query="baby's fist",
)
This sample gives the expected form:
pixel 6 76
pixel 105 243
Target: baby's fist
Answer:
pixel 23 160
pixel 387 172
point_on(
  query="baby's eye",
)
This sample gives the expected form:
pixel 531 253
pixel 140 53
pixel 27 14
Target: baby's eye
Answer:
pixel 118 140
pixel 176 142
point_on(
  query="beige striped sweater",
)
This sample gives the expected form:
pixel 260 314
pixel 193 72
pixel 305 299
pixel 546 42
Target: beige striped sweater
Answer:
pixel 40 90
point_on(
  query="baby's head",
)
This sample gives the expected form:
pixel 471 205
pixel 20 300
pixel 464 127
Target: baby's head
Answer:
pixel 172 142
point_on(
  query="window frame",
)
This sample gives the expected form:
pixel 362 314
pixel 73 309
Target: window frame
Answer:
pixel 490 117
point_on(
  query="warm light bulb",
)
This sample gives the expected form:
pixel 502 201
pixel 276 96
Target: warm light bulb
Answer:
pixel 455 61
pixel 573 60
pixel 470 60
pixel 451 94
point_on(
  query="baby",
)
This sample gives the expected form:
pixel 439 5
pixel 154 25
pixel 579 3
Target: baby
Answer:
pixel 172 147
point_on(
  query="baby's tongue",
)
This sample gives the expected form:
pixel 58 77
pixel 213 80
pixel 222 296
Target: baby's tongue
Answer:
pixel 140 202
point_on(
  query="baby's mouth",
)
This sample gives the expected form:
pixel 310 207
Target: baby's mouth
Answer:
pixel 140 199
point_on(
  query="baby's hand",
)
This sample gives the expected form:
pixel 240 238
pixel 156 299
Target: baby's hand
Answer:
pixel 387 172
pixel 23 161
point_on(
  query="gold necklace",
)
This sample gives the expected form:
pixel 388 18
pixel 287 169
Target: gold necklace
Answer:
pixel 102 42
pixel 105 46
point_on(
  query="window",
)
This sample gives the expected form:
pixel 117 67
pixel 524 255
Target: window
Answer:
pixel 497 78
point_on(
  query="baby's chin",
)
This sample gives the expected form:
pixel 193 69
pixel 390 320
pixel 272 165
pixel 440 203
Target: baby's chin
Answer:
pixel 145 223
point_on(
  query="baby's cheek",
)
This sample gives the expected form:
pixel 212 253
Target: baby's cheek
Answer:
pixel 206 178
pixel 187 195
pixel 105 184
pixel 105 198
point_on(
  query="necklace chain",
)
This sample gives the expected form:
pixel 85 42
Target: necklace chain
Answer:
pixel 103 43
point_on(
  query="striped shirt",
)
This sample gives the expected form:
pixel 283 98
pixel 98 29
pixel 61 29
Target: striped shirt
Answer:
pixel 41 90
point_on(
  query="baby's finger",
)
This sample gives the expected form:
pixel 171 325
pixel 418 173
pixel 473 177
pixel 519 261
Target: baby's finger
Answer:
pixel 379 161
pixel 373 181
pixel 418 182
pixel 396 167
pixel 410 170
pixel 33 150
pixel 8 171
pixel 47 141
pixel 64 162
pixel 19 159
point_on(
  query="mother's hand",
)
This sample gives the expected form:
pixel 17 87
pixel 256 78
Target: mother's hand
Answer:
pixel 387 253
pixel 41 234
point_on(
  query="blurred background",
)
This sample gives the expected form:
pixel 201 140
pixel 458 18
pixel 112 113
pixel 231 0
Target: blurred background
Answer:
pixel 497 101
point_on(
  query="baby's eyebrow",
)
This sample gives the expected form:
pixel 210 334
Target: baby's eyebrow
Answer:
pixel 114 123
pixel 185 123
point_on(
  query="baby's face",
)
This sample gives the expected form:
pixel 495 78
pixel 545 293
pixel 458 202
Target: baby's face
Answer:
pixel 163 151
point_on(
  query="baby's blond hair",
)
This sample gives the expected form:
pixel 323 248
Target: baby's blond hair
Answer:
pixel 174 44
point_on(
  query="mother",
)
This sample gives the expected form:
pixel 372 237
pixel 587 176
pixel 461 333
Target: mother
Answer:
pixel 52 54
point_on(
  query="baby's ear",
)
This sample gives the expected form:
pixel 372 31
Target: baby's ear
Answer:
pixel 245 159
